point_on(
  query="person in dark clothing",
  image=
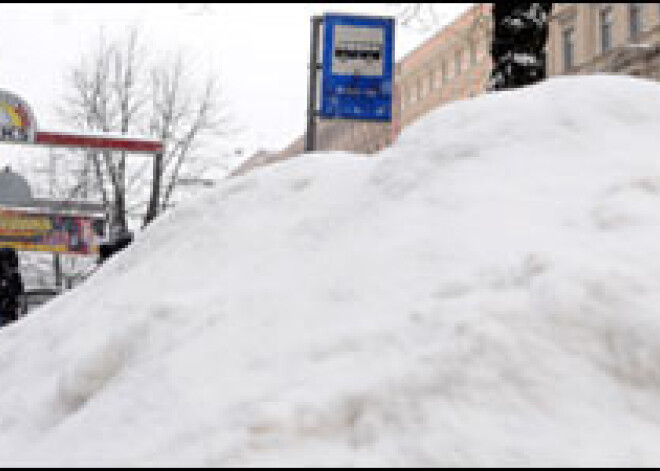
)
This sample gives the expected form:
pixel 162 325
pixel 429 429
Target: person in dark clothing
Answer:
pixel 11 286
pixel 520 35
pixel 117 243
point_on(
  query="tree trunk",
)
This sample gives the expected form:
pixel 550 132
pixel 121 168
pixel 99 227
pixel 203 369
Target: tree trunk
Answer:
pixel 57 271
pixel 156 183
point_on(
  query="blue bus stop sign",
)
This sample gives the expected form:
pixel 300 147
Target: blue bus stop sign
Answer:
pixel 358 68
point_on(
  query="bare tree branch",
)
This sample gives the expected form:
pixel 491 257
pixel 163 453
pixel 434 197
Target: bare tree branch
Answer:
pixel 115 88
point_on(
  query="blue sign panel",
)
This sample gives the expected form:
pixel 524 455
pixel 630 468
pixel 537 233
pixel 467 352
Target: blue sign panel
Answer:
pixel 358 68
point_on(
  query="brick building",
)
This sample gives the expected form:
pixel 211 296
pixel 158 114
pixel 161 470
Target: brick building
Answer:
pixel 453 65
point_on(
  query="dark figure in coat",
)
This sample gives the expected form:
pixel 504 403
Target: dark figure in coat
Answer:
pixel 11 286
pixel 117 243
pixel 520 35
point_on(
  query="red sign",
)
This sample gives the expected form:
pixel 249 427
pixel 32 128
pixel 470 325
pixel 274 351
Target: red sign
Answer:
pixel 18 125
pixel 82 141
pixel 47 232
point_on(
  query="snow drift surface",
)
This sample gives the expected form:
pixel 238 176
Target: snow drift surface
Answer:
pixel 486 292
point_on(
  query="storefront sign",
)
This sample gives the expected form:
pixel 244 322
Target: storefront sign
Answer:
pixel 47 232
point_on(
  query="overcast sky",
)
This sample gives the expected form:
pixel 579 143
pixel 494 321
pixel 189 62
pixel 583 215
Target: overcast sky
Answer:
pixel 259 51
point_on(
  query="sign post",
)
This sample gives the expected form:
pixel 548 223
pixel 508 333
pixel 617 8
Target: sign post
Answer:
pixel 310 135
pixel 357 70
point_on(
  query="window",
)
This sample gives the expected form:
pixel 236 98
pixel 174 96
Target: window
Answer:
pixel 457 60
pixel 445 72
pixel 432 78
pixel 568 48
pixel 635 16
pixel 412 95
pixel 420 88
pixel 606 29
pixel 473 54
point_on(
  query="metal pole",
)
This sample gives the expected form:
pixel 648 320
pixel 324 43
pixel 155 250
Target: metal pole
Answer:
pixel 154 202
pixel 57 268
pixel 310 135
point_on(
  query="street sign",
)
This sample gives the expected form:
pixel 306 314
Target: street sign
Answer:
pixel 17 123
pixel 358 66
pixel 30 224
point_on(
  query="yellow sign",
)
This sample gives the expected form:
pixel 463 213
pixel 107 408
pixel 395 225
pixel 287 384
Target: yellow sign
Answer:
pixel 58 233
pixel 34 225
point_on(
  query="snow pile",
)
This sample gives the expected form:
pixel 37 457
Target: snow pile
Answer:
pixel 486 292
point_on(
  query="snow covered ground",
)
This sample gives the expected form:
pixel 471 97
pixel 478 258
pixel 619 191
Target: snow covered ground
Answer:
pixel 486 292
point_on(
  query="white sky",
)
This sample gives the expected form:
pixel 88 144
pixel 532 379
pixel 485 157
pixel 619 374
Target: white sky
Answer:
pixel 260 52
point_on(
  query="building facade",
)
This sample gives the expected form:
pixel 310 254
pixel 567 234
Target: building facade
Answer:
pixel 587 38
pixel 455 64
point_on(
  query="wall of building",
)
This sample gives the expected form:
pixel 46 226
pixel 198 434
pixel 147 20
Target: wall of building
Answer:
pixel 353 136
pixel 453 65
pixel 632 55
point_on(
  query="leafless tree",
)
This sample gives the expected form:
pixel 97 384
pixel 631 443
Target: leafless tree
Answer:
pixel 183 119
pixel 417 15
pixel 117 88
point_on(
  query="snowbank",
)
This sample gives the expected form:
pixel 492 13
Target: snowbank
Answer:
pixel 486 292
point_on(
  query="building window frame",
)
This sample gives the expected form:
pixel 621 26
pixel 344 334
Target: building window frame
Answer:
pixel 605 28
pixel 568 48
pixel 635 20
pixel 473 53
pixel 412 94
pixel 458 62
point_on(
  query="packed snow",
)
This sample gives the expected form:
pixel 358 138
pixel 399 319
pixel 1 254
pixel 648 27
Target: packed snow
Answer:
pixel 484 293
